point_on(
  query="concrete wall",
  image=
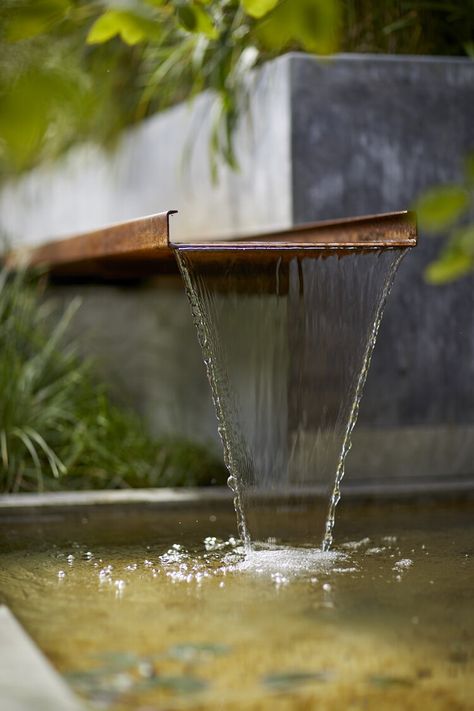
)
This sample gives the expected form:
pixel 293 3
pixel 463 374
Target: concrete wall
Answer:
pixel 368 135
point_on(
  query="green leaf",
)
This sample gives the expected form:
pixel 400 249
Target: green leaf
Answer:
pixel 187 18
pixel 451 265
pixel 275 30
pixel 193 18
pixel 259 8
pixel 440 207
pixel 132 28
pixel 204 23
pixel 313 24
pixel 34 18
pixel 317 25
pixel 27 107
pixel 463 239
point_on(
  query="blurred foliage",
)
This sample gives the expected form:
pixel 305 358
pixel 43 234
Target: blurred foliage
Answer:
pixel 58 427
pixel 450 207
pixel 72 70
pixel 436 27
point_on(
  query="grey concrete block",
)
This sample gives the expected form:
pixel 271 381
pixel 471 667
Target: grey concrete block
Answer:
pixel 369 133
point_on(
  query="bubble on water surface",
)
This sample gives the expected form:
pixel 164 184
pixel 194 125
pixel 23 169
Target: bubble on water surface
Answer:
pixel 119 587
pixel 375 551
pixel 403 564
pixel 211 543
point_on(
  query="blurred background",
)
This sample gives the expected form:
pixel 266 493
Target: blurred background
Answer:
pixel 246 116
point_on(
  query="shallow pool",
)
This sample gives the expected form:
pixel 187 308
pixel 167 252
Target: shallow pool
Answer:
pixel 158 610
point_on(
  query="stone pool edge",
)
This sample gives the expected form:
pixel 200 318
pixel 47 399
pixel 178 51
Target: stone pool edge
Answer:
pixel 27 679
pixel 195 497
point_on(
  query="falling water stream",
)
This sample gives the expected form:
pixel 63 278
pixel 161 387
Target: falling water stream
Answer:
pixel 287 343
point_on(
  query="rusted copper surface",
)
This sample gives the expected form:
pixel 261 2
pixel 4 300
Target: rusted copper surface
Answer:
pixel 396 229
pixel 142 247
pixel 391 230
pixel 111 248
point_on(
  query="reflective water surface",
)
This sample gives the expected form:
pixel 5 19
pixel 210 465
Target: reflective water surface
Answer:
pixel 162 610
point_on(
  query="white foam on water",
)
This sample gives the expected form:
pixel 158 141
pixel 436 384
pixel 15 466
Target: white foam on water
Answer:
pixel 288 561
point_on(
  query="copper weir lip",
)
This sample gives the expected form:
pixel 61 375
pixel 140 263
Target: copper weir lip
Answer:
pixel 384 231
pixel 142 247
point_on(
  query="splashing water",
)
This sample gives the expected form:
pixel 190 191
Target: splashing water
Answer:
pixel 287 343
pixel 346 445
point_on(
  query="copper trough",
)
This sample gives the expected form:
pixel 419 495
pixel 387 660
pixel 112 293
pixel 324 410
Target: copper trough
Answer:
pixel 142 247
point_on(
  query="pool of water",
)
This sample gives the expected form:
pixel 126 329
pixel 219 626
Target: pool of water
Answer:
pixel 156 610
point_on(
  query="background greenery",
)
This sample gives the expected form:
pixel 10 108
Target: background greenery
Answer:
pixel 59 428
pixel 75 70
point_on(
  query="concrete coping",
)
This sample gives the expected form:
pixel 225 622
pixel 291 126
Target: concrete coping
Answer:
pixel 27 679
pixel 221 496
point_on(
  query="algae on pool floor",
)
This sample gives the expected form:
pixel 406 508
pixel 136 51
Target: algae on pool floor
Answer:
pixel 138 614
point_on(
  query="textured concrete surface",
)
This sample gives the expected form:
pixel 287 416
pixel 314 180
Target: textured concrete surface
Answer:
pixel 369 133
pixel 27 680
pixel 144 344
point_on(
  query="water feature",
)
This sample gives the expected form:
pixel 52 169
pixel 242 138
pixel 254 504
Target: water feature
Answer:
pixel 287 339
pixel 162 609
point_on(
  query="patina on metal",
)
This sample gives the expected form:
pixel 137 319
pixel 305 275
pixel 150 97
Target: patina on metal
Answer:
pixel 143 247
